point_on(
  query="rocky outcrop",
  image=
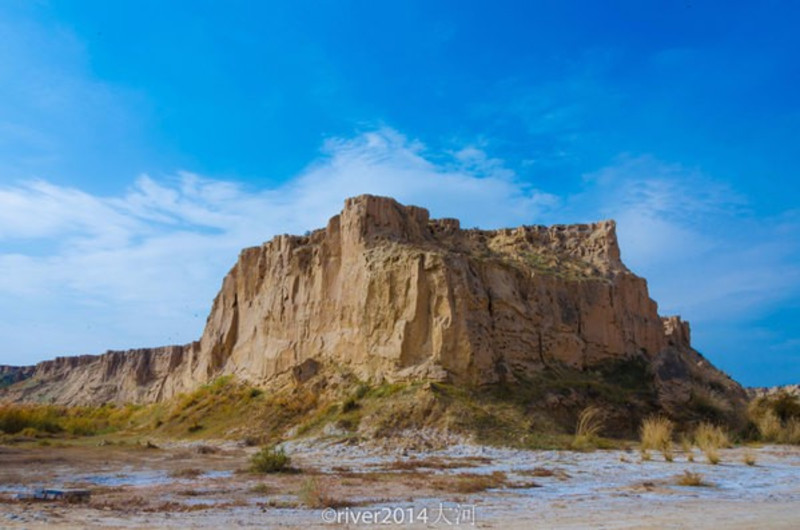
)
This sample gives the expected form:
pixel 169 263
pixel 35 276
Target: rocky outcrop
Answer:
pixel 14 374
pixel 772 391
pixel 387 293
pixel 134 376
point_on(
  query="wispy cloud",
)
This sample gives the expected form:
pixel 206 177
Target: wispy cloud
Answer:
pixel 81 273
pixel 708 256
pixel 142 268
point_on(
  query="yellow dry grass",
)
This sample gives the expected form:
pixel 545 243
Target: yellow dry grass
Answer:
pixel 691 479
pixel 656 434
pixel 687 447
pixel 777 418
pixel 315 493
pixel 590 422
pixel 769 426
pixel 710 439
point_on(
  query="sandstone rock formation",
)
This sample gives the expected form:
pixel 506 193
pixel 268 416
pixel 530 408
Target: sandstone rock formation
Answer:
pixel 387 293
pixel 772 391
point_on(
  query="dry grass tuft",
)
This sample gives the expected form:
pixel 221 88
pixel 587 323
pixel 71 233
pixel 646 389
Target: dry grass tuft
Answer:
pixel 791 432
pixel 470 482
pixel 710 438
pixel 590 422
pixel 691 479
pixel 560 474
pixel 687 447
pixel 777 418
pixel 315 494
pixel 769 426
pixel 262 489
pixel 749 457
pixel 656 434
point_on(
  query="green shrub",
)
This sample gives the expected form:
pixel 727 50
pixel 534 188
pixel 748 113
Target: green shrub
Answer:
pixel 270 460
pixel 29 432
pixel 361 390
pixel 15 418
pixel 80 426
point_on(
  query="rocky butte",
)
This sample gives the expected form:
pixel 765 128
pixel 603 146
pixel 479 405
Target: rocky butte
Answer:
pixel 389 294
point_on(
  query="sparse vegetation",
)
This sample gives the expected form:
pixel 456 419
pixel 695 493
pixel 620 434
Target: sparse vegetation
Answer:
pixel 590 423
pixel 656 434
pixel 349 405
pixel 261 489
pixel 568 268
pixel 540 472
pixel 270 460
pixel 792 431
pixel 36 420
pixel 194 427
pixel 470 482
pixel 710 439
pixel 315 494
pixel 769 426
pixel 777 418
pixel 498 415
pixel 608 400
pixel 691 479
pixel 687 447
pixel 361 391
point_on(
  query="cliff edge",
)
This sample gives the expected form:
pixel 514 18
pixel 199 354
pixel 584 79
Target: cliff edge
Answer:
pixel 389 294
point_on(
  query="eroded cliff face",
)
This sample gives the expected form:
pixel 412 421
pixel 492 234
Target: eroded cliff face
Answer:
pixel 134 376
pixel 389 294
pixel 14 374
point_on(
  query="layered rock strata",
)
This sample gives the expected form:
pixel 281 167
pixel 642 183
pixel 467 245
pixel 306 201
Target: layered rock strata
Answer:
pixel 387 293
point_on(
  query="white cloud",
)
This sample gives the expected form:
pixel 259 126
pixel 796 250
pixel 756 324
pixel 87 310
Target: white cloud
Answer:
pixel 81 273
pixel 706 255
pixel 142 269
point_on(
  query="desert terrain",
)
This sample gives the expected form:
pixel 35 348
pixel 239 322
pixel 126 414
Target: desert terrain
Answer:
pixel 179 484
pixel 393 369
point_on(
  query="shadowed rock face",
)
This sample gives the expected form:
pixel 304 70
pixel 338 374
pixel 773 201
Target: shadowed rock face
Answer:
pixel 14 374
pixel 389 294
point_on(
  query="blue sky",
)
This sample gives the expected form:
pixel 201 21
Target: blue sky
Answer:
pixel 142 144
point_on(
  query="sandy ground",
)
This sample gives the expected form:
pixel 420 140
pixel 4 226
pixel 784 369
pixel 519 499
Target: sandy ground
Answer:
pixel 189 485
